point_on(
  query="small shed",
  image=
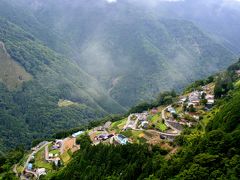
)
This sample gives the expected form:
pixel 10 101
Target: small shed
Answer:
pixel 29 166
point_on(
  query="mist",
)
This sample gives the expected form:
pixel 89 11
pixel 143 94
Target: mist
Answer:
pixel 134 40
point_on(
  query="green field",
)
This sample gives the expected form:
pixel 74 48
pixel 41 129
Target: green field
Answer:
pixel 161 126
pixel 237 84
pixel 118 125
pixel 136 136
pixel 56 151
pixel 155 118
pixel 20 169
pixel 65 157
pixel 40 161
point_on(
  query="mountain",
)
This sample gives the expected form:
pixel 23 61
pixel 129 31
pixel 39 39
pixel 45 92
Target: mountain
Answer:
pixel 12 74
pixel 70 62
pixel 209 150
pixel 219 18
pixel 131 49
pixel 34 80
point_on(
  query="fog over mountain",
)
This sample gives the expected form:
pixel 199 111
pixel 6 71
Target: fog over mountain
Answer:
pixel 104 56
pixel 118 42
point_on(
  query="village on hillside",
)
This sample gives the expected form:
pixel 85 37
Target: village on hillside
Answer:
pixel 159 125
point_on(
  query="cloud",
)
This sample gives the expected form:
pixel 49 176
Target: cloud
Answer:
pixel 171 0
pixel 111 1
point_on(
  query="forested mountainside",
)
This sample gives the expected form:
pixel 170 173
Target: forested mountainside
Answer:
pixel 75 61
pixel 214 16
pixel 208 151
pixel 32 108
pixel 133 51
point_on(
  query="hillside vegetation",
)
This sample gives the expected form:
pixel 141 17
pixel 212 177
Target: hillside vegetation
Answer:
pixel 131 50
pixel 209 151
pixel 104 58
pixel 32 110
pixel 11 73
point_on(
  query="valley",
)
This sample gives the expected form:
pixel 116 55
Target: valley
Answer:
pixel 119 89
pixel 96 67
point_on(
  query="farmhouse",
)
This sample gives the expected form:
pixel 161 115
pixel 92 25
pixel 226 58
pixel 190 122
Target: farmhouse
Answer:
pixel 121 139
pixel 144 124
pixel 107 125
pixel 171 110
pixel 238 72
pixel 77 134
pixel 69 144
pixel 194 98
pixel 41 171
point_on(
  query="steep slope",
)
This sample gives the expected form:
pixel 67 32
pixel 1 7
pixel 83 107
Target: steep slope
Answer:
pixel 132 51
pixel 33 109
pixel 217 17
pixel 118 54
pixel 17 13
pixel 208 151
pixel 11 73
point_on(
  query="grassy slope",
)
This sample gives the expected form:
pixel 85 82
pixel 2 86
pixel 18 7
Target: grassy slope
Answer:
pixel 11 73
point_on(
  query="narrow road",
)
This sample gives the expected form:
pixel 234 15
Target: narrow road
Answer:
pixel 33 153
pixel 15 169
pixel 178 132
pixel 135 122
pixel 164 134
pixel 30 157
pixel 161 133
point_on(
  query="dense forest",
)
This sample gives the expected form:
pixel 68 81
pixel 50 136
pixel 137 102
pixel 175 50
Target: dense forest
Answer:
pixel 130 49
pixel 32 110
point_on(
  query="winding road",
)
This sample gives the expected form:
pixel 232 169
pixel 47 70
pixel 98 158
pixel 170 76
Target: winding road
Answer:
pixel 178 132
pixel 29 159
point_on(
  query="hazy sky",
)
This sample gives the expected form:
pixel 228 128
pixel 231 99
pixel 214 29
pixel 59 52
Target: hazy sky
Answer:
pixel 114 1
pixel 111 1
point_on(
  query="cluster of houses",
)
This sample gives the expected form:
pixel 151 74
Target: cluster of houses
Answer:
pixel 131 122
pixel 36 172
pixel 195 97
pixel 63 145
pixel 143 121
pixel 111 138
pixel 137 121
pixel 58 147
pixel 238 72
